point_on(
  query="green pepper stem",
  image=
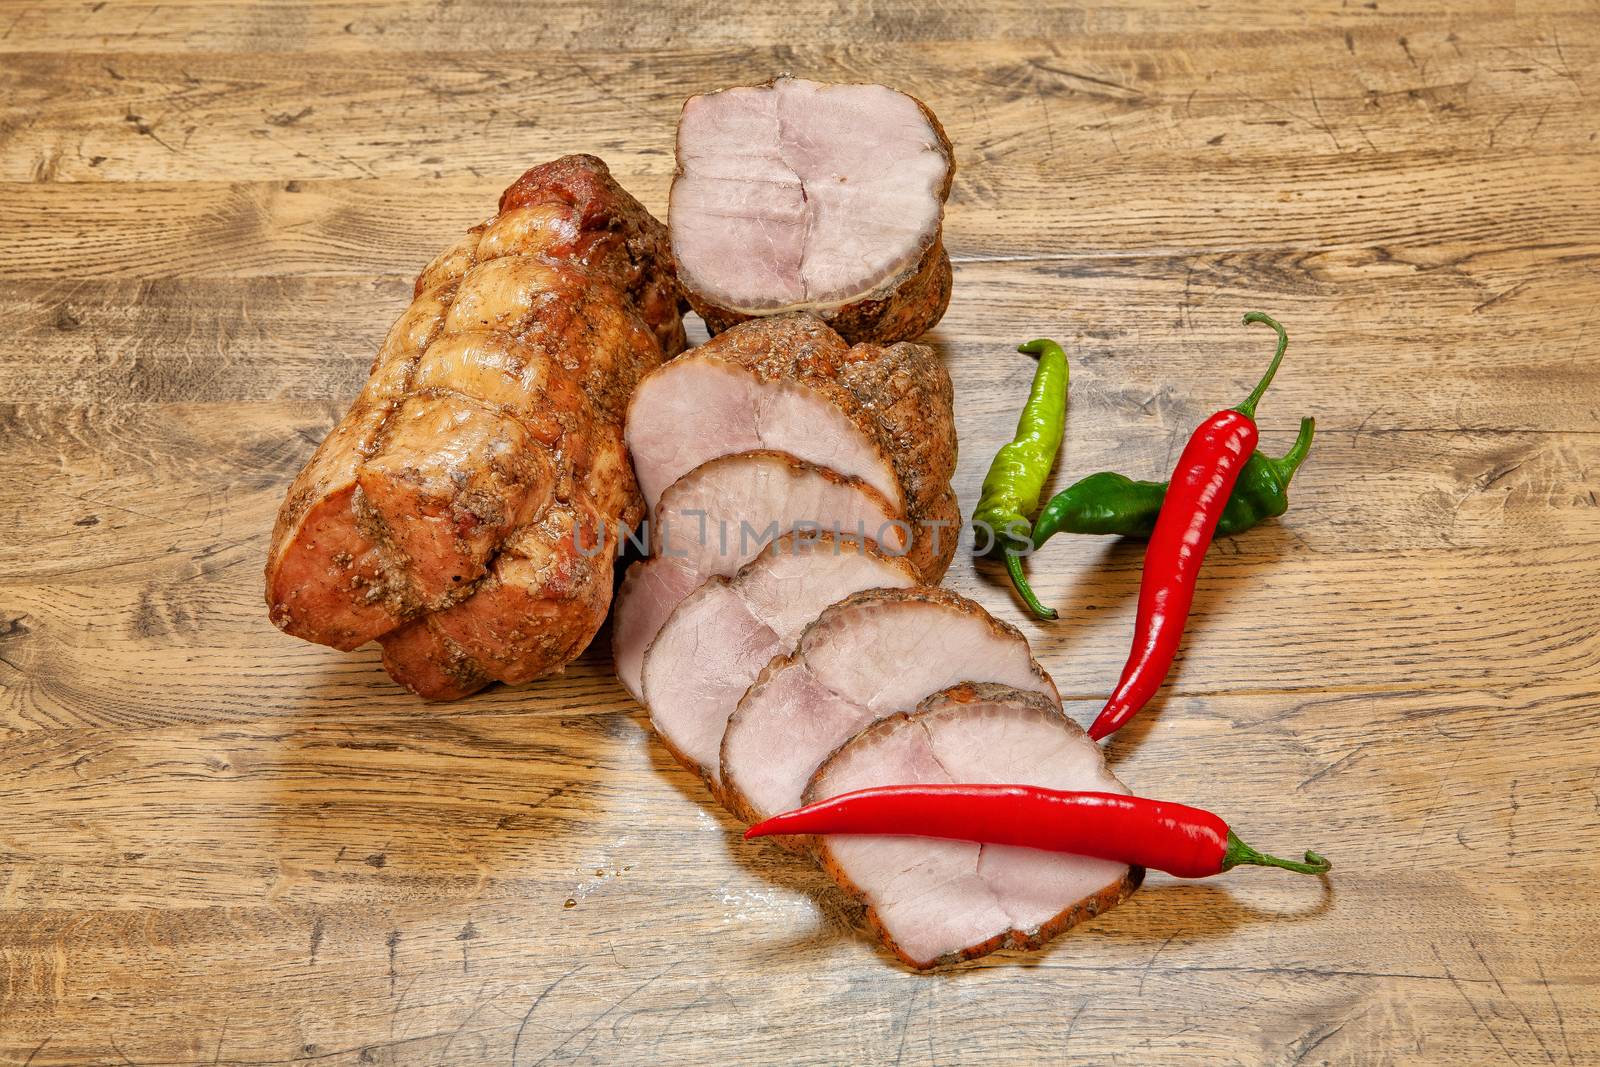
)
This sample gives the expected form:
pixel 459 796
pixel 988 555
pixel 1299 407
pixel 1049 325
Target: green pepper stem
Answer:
pixel 1248 408
pixel 1039 346
pixel 1291 460
pixel 1020 581
pixel 1241 853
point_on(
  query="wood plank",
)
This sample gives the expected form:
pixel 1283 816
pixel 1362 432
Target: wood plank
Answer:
pixel 1109 103
pixel 360 27
pixel 1410 216
pixel 1153 336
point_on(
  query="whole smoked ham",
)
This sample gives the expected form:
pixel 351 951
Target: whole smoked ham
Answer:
pixel 466 510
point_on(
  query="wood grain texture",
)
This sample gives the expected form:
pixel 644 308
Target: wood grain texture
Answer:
pixel 223 846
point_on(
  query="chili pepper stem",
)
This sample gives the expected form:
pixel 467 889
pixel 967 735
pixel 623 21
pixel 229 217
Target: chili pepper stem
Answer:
pixel 1240 853
pixel 1024 590
pixel 1291 460
pixel 1248 408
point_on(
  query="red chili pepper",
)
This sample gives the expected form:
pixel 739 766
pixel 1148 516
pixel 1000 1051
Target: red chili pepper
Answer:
pixel 1175 838
pixel 1194 501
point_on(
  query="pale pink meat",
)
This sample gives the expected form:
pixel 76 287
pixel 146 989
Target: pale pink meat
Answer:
pixel 717 640
pixel 937 901
pixel 799 195
pixel 870 655
pixel 705 407
pixel 716 518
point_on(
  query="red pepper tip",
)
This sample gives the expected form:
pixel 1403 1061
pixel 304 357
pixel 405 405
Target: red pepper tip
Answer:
pixel 764 828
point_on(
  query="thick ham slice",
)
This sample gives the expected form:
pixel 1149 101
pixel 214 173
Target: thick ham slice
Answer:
pixel 716 518
pixel 883 415
pixel 872 654
pixel 802 196
pixel 936 902
pixel 717 640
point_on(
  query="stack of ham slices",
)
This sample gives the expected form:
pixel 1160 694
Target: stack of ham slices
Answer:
pixel 790 642
pixel 786 630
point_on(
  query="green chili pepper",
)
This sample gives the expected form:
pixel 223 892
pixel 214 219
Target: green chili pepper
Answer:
pixel 1109 503
pixel 1017 475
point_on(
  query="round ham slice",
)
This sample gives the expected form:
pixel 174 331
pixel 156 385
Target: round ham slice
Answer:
pixel 717 640
pixel 936 902
pixel 872 654
pixel 716 518
pixel 803 196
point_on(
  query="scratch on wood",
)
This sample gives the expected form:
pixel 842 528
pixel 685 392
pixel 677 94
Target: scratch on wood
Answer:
pixel 1448 973
pixel 1334 766
pixel 592 1023
pixel 393 941
pixel 1498 297
pixel 1317 1040
pixel 468 932
pixel 1484 963
pixel 1561 1021
pixel 516 1042
pixel 905 1022
pixel 37 1048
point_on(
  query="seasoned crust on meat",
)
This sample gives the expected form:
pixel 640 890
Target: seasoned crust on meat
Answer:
pixel 432 517
pixel 880 416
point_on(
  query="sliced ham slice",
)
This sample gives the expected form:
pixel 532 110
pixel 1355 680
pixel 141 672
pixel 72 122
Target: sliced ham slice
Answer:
pixel 872 654
pixel 717 640
pixel 716 518
pixel 936 902
pixel 883 415
pixel 797 195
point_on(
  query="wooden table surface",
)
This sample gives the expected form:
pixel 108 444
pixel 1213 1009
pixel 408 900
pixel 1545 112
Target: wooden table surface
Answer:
pixel 219 845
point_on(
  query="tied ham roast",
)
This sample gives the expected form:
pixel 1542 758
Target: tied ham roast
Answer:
pixel 872 654
pixel 466 510
pixel 778 425
pixel 802 196
pixel 936 902
pixel 719 637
